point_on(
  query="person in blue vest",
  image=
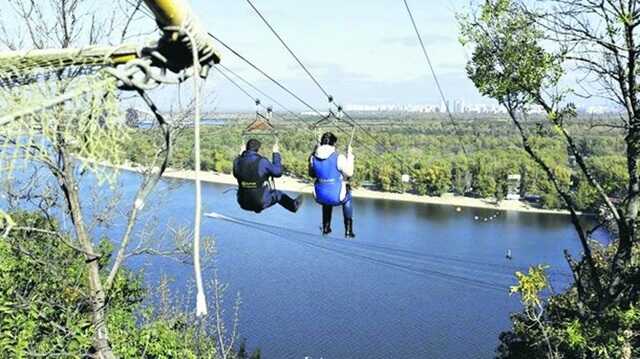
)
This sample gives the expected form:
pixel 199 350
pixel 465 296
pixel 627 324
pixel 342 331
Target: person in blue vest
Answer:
pixel 253 173
pixel 332 171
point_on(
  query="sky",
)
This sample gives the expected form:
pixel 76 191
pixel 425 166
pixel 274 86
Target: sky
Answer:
pixel 362 52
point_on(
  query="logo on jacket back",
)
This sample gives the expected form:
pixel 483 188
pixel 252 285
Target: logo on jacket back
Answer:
pixel 248 185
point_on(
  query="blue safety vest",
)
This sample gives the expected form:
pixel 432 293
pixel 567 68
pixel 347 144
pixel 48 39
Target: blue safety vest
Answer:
pixel 328 184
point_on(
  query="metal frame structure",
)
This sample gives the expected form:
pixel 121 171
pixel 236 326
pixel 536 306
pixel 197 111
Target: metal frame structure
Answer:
pixel 261 126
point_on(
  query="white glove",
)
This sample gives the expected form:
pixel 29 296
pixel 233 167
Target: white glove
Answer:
pixel 276 147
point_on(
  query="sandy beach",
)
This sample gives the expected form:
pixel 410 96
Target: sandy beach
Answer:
pixel 294 185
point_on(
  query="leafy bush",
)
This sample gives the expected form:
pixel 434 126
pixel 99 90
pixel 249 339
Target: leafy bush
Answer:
pixel 44 309
pixel 561 323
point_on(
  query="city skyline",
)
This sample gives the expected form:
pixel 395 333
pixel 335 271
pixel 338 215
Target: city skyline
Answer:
pixel 457 106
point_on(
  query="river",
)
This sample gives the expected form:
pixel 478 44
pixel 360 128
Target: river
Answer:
pixel 419 281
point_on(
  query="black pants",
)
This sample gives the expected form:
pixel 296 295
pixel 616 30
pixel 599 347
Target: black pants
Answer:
pixel 281 198
pixel 347 209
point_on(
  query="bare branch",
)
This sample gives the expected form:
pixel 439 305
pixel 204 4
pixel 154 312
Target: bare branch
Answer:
pixel 148 184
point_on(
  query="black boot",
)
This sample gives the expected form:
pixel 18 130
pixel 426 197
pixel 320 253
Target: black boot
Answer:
pixel 290 203
pixel 326 229
pixel 348 228
pixel 326 219
pixel 298 202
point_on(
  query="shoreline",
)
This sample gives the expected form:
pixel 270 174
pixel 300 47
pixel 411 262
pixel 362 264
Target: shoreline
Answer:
pixel 290 184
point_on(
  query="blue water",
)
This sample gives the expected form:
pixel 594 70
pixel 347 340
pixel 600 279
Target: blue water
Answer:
pixel 419 281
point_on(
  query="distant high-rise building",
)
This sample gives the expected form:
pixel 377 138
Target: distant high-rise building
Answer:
pixel 458 106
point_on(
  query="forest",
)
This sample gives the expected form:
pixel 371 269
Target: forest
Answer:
pixel 472 156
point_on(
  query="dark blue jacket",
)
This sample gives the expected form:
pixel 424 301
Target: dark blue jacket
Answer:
pixel 265 170
pixel 265 167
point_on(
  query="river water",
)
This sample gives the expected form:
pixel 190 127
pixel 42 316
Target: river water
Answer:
pixel 419 281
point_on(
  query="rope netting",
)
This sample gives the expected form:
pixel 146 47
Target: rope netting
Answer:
pixel 23 67
pixel 82 111
pixel 51 99
pixel 67 99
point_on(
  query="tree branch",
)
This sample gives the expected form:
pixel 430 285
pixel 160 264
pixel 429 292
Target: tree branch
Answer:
pixel 150 181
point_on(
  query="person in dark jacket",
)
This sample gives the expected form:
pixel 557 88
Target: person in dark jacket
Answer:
pixel 254 173
pixel 331 171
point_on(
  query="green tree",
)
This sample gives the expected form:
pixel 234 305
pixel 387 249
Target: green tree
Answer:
pixel 433 179
pixel 385 177
pixel 460 176
pixel 483 181
pixel 44 309
pixel 519 56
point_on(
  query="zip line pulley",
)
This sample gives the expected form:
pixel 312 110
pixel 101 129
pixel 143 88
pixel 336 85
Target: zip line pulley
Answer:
pixel 261 126
pixel 332 119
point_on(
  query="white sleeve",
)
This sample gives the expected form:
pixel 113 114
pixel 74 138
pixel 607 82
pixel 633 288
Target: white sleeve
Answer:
pixel 345 164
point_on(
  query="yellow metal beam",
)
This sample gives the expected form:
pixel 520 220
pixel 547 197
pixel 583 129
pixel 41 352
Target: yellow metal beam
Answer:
pixel 174 13
pixel 178 13
pixel 169 12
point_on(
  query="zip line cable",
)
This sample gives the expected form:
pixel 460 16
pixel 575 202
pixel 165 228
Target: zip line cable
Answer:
pixel 435 76
pixel 325 92
pixel 283 87
pixel 244 91
pixel 258 90
pixel 255 88
pixel 271 78
pixel 300 120
pixel 250 96
pixel 235 84
pixel 289 49
pixel 278 83
pixel 302 65
pixel 290 92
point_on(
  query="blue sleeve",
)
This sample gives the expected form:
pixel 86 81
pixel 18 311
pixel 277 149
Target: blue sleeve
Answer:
pixel 272 169
pixel 235 167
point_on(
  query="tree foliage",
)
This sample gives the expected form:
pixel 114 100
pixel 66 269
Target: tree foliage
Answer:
pixel 431 156
pixel 521 56
pixel 44 309
pixel 553 326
